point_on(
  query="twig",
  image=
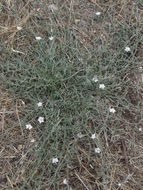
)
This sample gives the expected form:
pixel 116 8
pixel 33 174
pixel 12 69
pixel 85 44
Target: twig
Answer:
pixel 8 179
pixel 16 51
pixel 19 119
pixel 94 1
pixel 24 7
pixel 81 181
pixel 126 158
pixel 3 116
pixel 113 175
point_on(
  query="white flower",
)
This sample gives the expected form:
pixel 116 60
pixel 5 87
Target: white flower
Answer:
pixel 97 150
pixel 65 181
pixel 140 68
pixel 51 38
pixel 19 28
pixel 32 140
pixel 95 79
pixel 80 135
pixel 91 166
pixel 53 7
pixel 41 119
pixel 38 9
pixel 39 104
pixel 38 38
pixel 93 136
pixel 98 13
pixel 112 110
pixel 29 126
pixel 119 184
pixel 127 49
pixel 140 129
pixel 23 102
pixel 55 160
pixel 16 51
pixel 102 86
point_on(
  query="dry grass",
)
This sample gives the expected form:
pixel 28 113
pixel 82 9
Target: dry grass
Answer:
pixel 121 160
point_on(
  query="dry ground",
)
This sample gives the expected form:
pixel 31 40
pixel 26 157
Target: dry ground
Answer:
pixel 121 140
